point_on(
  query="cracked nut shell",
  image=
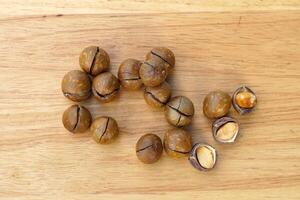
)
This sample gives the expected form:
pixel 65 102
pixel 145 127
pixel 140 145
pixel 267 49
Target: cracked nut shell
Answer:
pixel 76 85
pixel 164 54
pixel 177 143
pixel 179 111
pixel 216 104
pixel 157 97
pixel 128 74
pixel 104 130
pixel 94 60
pixel 225 130
pixel 149 148
pixel 77 119
pixel 105 87
pixel 153 72
pixel 203 157
pixel 244 100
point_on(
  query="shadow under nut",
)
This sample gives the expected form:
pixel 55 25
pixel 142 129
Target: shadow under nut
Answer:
pixel 76 86
pixel 94 60
pixel 179 111
pixel 77 119
pixel 104 130
pixel 105 87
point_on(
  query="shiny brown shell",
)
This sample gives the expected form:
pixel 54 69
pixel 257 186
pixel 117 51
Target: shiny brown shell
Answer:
pixel 94 60
pixel 128 74
pixel 76 85
pixel 77 119
pixel 149 148
pixel 177 143
pixel 104 130
pixel 105 87
pixel 179 111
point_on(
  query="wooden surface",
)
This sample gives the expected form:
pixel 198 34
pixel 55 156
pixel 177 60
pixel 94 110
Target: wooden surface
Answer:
pixel 39 159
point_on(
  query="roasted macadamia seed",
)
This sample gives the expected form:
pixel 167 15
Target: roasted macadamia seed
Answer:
pixel 153 72
pixel 179 111
pixel 158 96
pixel 104 130
pixel 149 148
pixel 177 143
pixel 94 60
pixel 77 119
pixel 128 74
pixel 105 87
pixel 203 157
pixel 225 130
pixel 244 100
pixel 76 86
pixel 216 104
pixel 164 54
pixel 158 64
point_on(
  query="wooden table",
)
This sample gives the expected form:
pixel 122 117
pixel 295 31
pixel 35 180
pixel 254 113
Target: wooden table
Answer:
pixel 217 46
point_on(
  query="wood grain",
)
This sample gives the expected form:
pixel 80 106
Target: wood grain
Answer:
pixel 13 8
pixel 41 160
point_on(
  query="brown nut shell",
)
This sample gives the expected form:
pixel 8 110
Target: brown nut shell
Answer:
pixel 77 119
pixel 153 72
pixel 105 87
pixel 177 143
pixel 157 97
pixel 203 157
pixel 94 60
pixel 128 74
pixel 216 104
pixel 149 148
pixel 104 130
pixel 225 130
pixel 163 53
pixel 244 100
pixel 76 86
pixel 179 111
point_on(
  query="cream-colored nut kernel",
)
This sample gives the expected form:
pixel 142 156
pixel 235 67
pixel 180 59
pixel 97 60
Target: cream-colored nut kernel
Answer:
pixel 206 157
pixel 227 132
pixel 246 99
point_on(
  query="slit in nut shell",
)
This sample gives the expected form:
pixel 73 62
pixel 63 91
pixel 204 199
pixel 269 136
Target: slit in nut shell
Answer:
pixel 225 130
pixel 203 157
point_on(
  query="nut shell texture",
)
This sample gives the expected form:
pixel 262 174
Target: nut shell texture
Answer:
pixel 94 60
pixel 177 143
pixel 104 130
pixel 76 85
pixel 149 148
pixel 216 104
pixel 128 74
pixel 105 87
pixel 76 119
pixel 163 53
pixel 158 96
pixel 179 111
pixel 153 72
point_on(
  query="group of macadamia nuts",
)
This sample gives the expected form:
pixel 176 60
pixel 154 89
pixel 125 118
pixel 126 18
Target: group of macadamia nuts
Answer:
pixel 179 110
